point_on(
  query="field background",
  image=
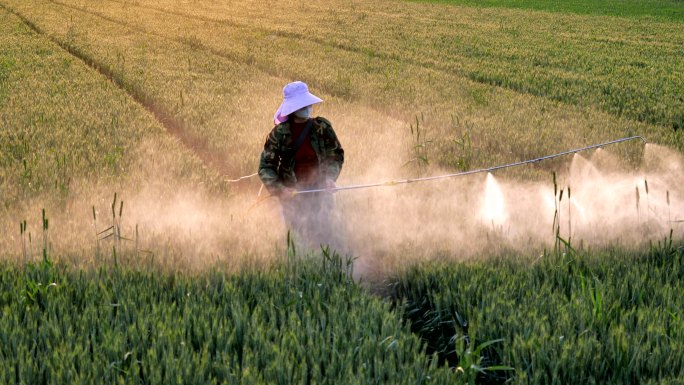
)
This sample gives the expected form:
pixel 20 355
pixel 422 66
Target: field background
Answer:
pixel 165 102
pixel 483 86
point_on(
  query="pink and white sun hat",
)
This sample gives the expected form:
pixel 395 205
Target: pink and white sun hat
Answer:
pixel 296 95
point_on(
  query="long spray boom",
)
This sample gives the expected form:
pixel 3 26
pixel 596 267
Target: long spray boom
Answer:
pixel 490 169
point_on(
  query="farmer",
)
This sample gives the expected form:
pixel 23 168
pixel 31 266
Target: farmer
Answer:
pixel 303 153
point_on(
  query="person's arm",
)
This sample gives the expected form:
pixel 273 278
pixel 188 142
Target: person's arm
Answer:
pixel 268 164
pixel 334 154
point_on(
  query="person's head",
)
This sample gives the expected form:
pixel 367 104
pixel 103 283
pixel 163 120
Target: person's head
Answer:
pixel 297 102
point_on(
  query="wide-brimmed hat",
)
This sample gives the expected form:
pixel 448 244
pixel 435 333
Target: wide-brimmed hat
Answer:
pixel 296 95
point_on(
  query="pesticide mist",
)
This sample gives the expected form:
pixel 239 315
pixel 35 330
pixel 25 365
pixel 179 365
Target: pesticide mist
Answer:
pixel 595 200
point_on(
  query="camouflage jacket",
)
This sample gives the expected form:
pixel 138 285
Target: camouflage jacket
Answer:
pixel 276 168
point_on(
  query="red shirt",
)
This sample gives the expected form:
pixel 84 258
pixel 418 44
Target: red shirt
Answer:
pixel 305 159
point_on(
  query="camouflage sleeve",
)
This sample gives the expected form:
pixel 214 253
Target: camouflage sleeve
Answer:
pixel 334 154
pixel 268 164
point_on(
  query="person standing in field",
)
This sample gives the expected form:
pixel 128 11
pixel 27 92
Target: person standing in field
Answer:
pixel 303 153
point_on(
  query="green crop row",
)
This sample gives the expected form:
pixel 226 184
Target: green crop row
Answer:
pixel 666 10
pixel 609 318
pixel 603 318
pixel 302 322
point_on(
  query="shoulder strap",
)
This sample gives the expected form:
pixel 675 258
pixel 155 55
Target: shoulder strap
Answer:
pixel 300 140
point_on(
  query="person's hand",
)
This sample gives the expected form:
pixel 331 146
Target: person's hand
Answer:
pixel 330 185
pixel 287 193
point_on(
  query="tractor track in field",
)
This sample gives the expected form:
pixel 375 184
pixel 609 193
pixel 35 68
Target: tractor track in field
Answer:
pixel 177 129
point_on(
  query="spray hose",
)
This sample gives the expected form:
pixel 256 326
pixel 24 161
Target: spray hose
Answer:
pixel 490 169
pixel 240 178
